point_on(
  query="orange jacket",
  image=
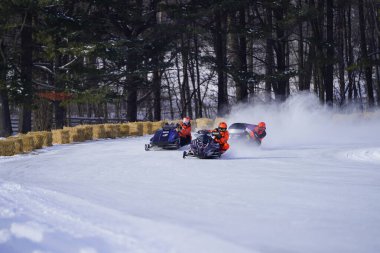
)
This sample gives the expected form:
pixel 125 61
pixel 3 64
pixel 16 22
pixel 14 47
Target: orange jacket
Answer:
pixel 257 134
pixel 223 138
pixel 184 130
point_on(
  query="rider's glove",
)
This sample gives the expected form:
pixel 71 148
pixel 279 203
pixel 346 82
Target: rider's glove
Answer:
pixel 216 135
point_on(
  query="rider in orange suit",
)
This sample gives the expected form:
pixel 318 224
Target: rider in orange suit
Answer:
pixel 257 132
pixel 221 136
pixel 184 131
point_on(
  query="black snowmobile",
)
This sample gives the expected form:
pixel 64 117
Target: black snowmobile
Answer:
pixel 239 133
pixel 203 146
pixel 165 138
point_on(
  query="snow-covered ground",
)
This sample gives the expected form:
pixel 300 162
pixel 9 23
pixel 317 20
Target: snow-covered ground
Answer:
pixel 314 186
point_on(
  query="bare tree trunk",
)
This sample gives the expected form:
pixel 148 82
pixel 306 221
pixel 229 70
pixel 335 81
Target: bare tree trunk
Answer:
pixel 170 97
pixel 308 65
pixel 365 60
pixel 349 54
pixel 133 81
pixel 233 52
pixel 156 85
pixel 220 64
pixel 340 26
pixel 59 110
pixel 181 89
pixel 185 83
pixel 301 78
pixel 25 124
pixel 89 110
pixel 329 72
pixel 269 55
pixel 281 83
pixel 375 15
pixel 243 86
pixel 5 116
pixel 105 109
pixel 193 82
pixel 200 113
pixel 317 24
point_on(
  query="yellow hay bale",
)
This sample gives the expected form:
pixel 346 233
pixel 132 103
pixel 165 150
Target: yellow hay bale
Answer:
pixel 77 134
pixel 124 130
pixel 38 139
pixel 18 144
pixel 98 132
pixel 218 120
pixel 27 142
pixel 147 128
pixel 136 129
pixel 193 124
pixel 118 130
pixel 61 136
pixel 173 122
pixel 7 147
pixel 88 131
pixel 204 123
pixel 112 131
pixel 157 125
pixel 48 138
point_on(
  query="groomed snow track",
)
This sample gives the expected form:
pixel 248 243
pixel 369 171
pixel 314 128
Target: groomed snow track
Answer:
pixel 111 196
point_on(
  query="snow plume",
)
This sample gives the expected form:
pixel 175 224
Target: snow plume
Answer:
pixel 303 121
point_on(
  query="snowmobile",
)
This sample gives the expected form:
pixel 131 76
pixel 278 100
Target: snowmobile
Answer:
pixel 203 146
pixel 165 138
pixel 238 133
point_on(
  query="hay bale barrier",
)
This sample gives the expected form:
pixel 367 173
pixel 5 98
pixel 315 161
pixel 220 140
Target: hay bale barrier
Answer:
pixel 204 123
pixel 19 146
pixel 158 125
pixel 7 147
pixel 112 131
pixel 98 132
pixel 147 128
pixel 25 143
pixel 124 130
pixel 217 121
pixel 136 129
pixel 47 138
pixel 61 136
pixel 88 132
pixel 38 139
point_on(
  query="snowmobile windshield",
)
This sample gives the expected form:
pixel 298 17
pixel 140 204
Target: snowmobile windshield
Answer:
pixel 169 127
pixel 238 126
pixel 203 139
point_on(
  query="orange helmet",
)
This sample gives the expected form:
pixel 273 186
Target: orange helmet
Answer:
pixel 186 121
pixel 262 125
pixel 222 126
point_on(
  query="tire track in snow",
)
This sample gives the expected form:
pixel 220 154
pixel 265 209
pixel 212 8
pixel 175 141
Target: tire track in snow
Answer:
pixel 49 212
pixel 370 155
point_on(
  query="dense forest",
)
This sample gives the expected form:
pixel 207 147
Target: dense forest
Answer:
pixel 153 60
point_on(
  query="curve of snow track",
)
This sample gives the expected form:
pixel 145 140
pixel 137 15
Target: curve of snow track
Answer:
pixel 111 196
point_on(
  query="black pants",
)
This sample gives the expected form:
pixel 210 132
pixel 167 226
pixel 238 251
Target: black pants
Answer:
pixel 185 140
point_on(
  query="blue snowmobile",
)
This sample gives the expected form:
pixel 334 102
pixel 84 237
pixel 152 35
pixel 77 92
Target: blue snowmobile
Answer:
pixel 203 146
pixel 165 138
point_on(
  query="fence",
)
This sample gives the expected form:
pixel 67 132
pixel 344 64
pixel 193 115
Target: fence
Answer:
pixel 73 121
